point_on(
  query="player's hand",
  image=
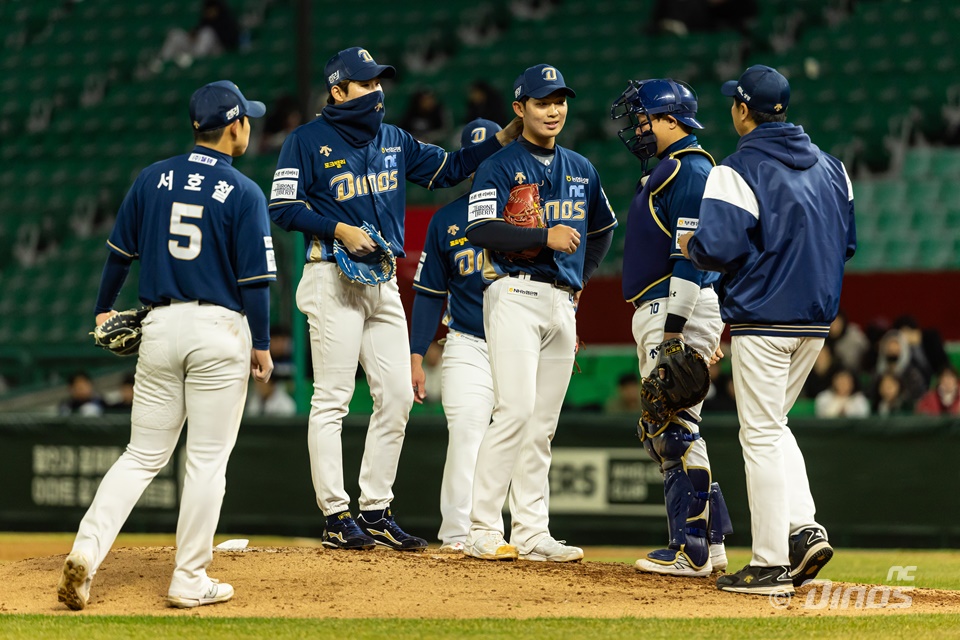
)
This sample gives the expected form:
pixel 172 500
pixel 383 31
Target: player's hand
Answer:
pixel 683 241
pixel 563 238
pixel 576 299
pixel 418 377
pixel 511 132
pixel 103 317
pixel 261 364
pixel 354 239
pixel 717 356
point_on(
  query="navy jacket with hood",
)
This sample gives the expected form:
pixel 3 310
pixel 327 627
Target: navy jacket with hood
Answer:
pixel 777 220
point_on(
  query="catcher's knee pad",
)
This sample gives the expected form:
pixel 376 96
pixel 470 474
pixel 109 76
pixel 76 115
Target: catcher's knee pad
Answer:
pixel 687 496
pixel 671 443
pixel 719 521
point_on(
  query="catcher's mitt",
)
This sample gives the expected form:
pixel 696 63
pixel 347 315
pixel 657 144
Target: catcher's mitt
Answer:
pixel 372 269
pixel 523 210
pixel 679 380
pixel 122 333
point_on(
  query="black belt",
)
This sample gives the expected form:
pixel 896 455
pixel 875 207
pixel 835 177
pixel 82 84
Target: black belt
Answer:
pixel 538 278
pixel 167 303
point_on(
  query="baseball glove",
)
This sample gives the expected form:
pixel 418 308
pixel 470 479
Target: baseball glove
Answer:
pixel 372 269
pixel 122 333
pixel 679 381
pixel 523 210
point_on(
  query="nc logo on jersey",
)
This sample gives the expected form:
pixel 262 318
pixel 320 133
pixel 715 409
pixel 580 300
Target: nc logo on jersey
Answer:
pixel 549 73
pixel 478 135
pixel 365 56
pixel 520 178
pixel 575 191
pixel 325 151
pixel 390 161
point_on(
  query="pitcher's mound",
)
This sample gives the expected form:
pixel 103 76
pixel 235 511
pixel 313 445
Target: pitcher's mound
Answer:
pixel 308 583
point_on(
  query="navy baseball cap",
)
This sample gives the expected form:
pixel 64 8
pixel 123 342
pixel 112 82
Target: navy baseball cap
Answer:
pixel 477 131
pixel 217 104
pixel 539 82
pixel 355 64
pixel 761 88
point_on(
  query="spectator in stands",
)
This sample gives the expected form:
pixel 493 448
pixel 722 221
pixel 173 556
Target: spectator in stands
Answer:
pixel 121 401
pixel 426 118
pixel 483 101
pixel 887 397
pixel 926 346
pixel 83 400
pixel 216 32
pixel 270 398
pixel 843 399
pixel 944 399
pixel 821 376
pixel 281 119
pixel 281 350
pixel 684 16
pixel 894 356
pixel 848 341
pixel 627 398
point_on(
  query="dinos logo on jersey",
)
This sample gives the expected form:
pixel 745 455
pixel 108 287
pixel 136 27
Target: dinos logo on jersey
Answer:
pixel 347 186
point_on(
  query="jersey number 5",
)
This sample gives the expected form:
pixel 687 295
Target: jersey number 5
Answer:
pixel 192 232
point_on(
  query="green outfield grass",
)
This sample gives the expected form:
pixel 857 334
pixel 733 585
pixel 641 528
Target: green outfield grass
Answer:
pixel 146 628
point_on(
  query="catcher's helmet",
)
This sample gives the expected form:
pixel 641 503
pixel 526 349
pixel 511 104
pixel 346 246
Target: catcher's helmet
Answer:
pixel 642 99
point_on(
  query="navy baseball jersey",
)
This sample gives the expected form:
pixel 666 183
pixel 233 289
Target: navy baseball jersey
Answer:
pixel 666 207
pixel 319 169
pixel 189 219
pixel 570 194
pixel 449 260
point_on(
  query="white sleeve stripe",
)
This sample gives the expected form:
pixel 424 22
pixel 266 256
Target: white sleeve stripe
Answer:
pixel 849 184
pixel 726 185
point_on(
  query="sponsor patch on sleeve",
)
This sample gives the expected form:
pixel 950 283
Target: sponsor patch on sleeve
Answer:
pixel 286 173
pixel 268 242
pixel 486 194
pixel 482 210
pixel 283 190
pixel 684 226
pixel 423 259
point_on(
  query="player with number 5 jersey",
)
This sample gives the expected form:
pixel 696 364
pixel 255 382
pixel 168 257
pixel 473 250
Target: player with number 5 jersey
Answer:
pixel 201 232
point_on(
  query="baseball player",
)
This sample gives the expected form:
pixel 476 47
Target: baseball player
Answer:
pixel 449 270
pixel 672 299
pixel 529 207
pixel 335 174
pixel 777 220
pixel 201 232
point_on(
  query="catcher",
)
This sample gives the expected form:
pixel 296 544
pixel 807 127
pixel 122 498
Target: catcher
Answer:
pixel 671 297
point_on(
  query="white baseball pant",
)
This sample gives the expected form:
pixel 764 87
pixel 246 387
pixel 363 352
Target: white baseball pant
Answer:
pixel 702 332
pixel 351 322
pixel 193 365
pixel 768 374
pixel 531 334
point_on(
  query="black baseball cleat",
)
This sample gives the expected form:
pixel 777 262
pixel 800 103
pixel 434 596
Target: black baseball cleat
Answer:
pixel 760 581
pixel 385 531
pixel 809 553
pixel 342 532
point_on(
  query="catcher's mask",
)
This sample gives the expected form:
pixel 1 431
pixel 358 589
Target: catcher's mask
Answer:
pixel 640 100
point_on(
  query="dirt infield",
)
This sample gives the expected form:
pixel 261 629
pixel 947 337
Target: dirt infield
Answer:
pixel 312 582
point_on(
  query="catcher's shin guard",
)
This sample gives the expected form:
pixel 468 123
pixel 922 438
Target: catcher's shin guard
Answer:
pixel 719 521
pixel 687 501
